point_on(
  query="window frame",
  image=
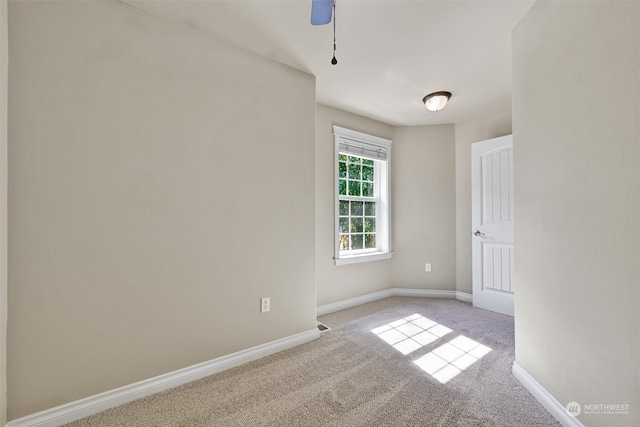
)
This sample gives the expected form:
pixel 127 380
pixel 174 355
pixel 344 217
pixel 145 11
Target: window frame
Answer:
pixel 376 198
pixel 358 140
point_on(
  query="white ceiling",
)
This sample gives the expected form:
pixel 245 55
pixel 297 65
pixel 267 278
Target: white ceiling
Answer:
pixel 390 53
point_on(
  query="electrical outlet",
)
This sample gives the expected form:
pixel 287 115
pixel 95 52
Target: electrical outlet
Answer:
pixel 427 268
pixel 265 304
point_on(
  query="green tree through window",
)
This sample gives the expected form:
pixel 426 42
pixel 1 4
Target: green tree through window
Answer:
pixel 357 211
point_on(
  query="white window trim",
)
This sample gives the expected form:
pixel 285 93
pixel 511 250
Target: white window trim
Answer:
pixel 347 136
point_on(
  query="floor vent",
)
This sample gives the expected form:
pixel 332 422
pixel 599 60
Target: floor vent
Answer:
pixel 323 327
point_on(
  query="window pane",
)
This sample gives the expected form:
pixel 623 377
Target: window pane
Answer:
pixel 367 173
pixel 359 187
pixel 342 169
pixel 356 241
pixel 369 241
pixel 369 225
pixel 354 171
pixel 356 208
pixel 344 242
pixel 344 207
pixel 354 188
pixel 367 189
pixel 369 208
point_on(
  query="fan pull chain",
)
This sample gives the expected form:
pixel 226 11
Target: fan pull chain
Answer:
pixel 334 61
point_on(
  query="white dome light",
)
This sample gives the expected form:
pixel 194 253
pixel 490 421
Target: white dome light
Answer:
pixel 436 101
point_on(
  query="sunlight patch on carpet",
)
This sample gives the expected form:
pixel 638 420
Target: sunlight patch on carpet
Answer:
pixel 411 333
pixel 443 363
pixel 450 359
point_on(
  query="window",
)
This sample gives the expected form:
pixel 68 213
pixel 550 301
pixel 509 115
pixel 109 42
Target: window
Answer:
pixel 362 197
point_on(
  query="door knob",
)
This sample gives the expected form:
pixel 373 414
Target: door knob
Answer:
pixel 478 233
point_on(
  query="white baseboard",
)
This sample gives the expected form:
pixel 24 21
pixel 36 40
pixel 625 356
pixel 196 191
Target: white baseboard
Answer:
pixel 554 407
pixel 100 402
pixel 353 302
pixel 399 292
pixel 463 296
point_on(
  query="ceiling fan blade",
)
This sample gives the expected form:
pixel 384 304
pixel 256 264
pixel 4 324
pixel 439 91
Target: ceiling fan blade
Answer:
pixel 321 11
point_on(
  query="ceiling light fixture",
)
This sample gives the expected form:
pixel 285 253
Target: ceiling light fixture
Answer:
pixel 436 101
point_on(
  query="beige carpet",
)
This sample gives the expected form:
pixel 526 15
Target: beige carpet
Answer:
pixel 456 372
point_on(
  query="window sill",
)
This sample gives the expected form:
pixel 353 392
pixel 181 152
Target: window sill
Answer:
pixel 353 259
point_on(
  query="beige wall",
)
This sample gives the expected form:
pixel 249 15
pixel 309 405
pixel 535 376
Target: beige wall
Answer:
pixel 4 56
pixel 480 129
pixel 338 283
pixel 157 190
pixel 423 210
pixel 424 207
pixel 576 104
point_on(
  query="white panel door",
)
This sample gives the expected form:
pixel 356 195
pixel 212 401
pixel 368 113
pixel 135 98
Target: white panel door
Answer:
pixel 492 224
